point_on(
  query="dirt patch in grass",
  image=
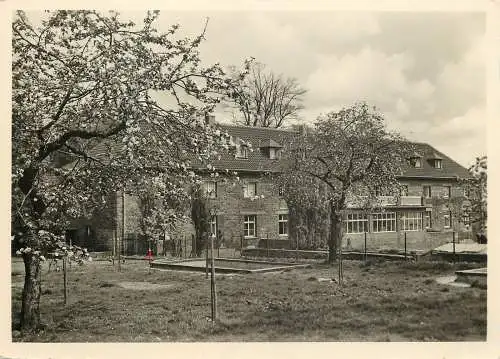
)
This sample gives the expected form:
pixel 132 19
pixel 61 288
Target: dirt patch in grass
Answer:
pixel 387 303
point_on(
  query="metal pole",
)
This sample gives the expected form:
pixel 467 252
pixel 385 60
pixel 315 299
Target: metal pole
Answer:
pixel 206 258
pixel 454 246
pixel 405 245
pixel 123 232
pixel 297 249
pixel 365 247
pixel 241 245
pixel 267 244
pixel 213 294
pixel 65 280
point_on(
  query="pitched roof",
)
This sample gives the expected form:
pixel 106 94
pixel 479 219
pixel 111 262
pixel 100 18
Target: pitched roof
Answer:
pixel 270 144
pixel 257 160
pixel 449 168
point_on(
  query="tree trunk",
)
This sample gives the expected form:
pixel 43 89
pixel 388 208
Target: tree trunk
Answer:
pixel 30 310
pixel 335 233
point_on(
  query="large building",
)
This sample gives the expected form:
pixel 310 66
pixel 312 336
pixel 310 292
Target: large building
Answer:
pixel 248 210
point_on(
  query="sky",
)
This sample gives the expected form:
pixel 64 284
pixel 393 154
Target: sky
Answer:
pixel 425 71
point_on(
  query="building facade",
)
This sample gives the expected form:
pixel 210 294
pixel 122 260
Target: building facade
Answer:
pixel 250 209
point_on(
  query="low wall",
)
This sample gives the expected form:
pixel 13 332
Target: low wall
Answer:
pixel 301 254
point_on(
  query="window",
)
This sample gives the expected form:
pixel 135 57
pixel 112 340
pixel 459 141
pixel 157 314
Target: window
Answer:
pixel 384 222
pixel 404 190
pixel 416 162
pixel 438 163
pixel 411 221
pixel 447 191
pixel 250 189
pixel 210 189
pixel 427 192
pixel 428 220
pixel 283 224
pixel 249 226
pixel 273 153
pixel 281 191
pixel 213 225
pixel 447 221
pixel 241 151
pixel 356 223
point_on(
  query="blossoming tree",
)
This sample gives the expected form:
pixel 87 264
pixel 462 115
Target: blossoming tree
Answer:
pixel 353 159
pixel 86 88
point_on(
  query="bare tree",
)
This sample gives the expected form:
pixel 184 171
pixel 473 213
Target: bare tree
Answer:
pixel 266 99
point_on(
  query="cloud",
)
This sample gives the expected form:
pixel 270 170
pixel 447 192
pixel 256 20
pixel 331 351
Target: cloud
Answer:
pixel 369 75
pixel 462 84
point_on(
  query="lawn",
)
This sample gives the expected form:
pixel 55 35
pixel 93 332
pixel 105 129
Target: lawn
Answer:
pixel 388 301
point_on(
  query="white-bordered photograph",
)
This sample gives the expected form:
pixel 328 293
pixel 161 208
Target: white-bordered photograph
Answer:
pixel 227 175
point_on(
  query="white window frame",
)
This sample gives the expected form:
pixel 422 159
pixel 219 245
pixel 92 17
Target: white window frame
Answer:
pixel 356 223
pixel 447 192
pixel 387 218
pixel 241 151
pixel 411 221
pixel 283 223
pixel 428 223
pixel 417 162
pixel 250 226
pixel 273 153
pixel 447 218
pixel 438 163
pixel 213 225
pixel 425 192
pixel 246 192
pixel 210 189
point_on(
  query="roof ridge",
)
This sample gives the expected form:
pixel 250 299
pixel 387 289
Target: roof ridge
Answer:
pixel 256 127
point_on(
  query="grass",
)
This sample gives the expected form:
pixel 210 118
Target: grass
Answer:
pixel 380 301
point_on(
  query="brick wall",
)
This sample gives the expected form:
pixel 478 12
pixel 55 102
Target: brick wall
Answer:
pixel 439 204
pixel 232 206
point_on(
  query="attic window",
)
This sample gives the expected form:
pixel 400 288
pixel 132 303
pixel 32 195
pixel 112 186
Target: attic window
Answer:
pixel 438 163
pixel 271 149
pixel 274 153
pixel 416 162
pixel 241 151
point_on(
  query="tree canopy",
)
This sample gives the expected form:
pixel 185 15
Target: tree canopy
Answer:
pixel 354 157
pixel 266 99
pixel 84 89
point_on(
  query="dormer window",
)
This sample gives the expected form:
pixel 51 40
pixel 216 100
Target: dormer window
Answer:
pixel 436 161
pixel 416 162
pixel 241 151
pixel 271 149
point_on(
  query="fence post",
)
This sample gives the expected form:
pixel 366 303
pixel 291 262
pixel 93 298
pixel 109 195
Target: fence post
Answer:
pixel 454 247
pixel 297 249
pixel 65 258
pixel 213 293
pixel 206 256
pixel 365 247
pixel 241 246
pixel 267 244
pixel 185 246
pixel 405 245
